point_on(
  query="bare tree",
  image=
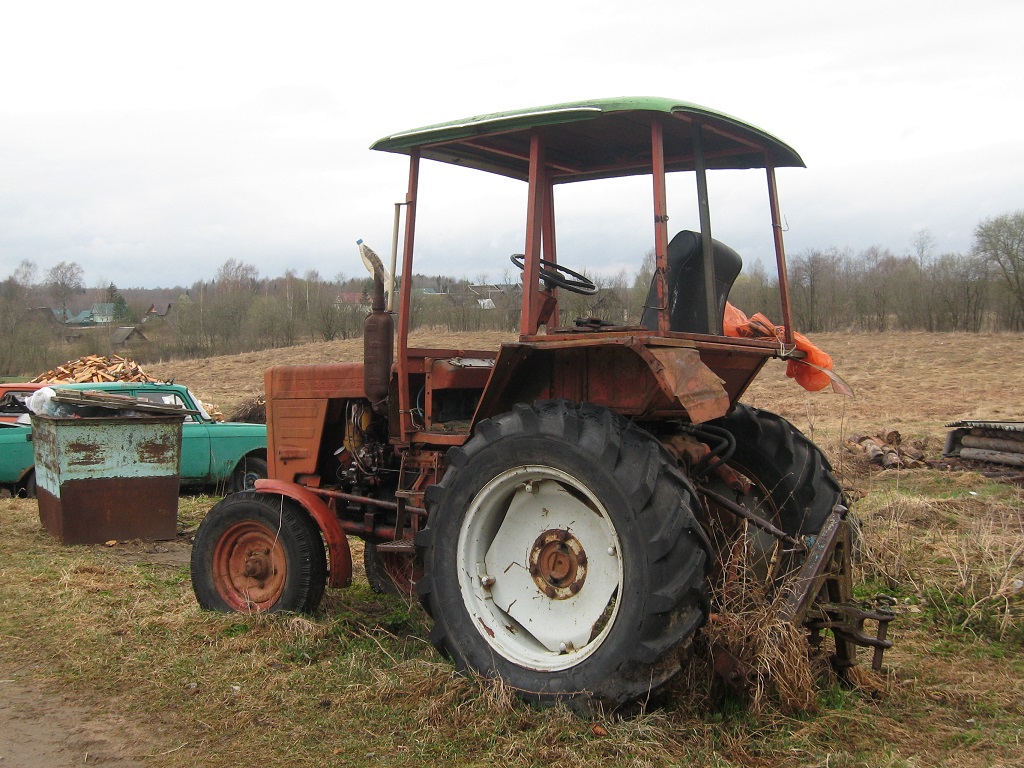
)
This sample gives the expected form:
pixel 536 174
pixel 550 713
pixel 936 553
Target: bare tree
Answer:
pixel 1000 240
pixel 235 275
pixel 64 279
pixel 924 244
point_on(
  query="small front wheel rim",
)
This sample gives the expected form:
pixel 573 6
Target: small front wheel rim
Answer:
pixel 250 567
pixel 540 568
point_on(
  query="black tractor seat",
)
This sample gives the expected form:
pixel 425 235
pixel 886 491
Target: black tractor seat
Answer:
pixel 686 296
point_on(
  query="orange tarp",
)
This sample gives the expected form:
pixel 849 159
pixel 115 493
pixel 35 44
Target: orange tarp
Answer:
pixel 736 323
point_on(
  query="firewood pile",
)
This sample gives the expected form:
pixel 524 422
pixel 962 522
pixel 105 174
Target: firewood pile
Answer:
pixel 95 368
pixel 886 449
pixel 213 411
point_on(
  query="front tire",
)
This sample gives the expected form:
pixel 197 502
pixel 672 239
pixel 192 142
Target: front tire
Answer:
pixel 27 488
pixel 256 552
pixel 562 555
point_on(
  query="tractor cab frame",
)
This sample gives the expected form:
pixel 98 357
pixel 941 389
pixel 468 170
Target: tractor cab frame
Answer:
pixel 682 323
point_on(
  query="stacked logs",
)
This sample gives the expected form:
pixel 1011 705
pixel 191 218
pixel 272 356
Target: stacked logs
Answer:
pixel 95 368
pixel 886 449
pixel 987 441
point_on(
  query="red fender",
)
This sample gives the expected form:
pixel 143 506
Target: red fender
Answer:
pixel 338 552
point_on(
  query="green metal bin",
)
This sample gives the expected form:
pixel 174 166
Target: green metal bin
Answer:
pixel 112 477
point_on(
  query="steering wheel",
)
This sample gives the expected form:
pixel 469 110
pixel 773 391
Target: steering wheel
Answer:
pixel 556 275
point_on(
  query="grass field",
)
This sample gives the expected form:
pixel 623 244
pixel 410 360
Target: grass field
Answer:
pixel 115 631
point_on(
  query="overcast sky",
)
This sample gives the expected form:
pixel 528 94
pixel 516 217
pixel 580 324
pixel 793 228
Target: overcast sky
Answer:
pixel 150 142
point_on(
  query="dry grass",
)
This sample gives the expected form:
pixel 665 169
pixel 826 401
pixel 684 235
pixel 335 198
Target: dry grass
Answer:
pixel 358 683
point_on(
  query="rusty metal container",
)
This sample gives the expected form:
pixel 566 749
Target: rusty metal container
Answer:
pixel 107 478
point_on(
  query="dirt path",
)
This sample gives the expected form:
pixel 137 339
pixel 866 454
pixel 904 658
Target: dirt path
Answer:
pixel 39 729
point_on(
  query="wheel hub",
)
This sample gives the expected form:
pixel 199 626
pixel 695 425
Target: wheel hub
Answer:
pixel 558 564
pixel 249 567
pixel 525 557
pixel 258 565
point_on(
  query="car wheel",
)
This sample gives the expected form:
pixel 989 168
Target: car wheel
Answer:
pixel 249 470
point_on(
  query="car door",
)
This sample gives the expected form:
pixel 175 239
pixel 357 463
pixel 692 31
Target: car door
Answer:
pixel 195 437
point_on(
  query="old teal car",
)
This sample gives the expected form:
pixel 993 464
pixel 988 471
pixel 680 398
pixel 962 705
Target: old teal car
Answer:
pixel 227 456
pixel 17 464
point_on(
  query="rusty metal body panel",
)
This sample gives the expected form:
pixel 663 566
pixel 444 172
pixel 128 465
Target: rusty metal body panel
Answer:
pixel 108 478
pixel 639 374
pixel 298 400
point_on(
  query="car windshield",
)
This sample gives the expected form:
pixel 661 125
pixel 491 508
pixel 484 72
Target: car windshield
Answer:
pixel 199 406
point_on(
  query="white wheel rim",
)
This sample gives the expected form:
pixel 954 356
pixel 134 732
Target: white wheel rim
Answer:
pixel 539 568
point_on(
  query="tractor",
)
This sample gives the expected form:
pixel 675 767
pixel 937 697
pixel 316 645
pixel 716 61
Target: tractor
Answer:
pixel 563 505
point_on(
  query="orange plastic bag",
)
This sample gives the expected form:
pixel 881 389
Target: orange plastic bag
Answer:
pixel 737 324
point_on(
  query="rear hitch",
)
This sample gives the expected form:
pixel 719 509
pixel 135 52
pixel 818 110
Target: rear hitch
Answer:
pixel 821 597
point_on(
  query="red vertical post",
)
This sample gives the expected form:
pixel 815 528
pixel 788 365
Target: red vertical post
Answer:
pixel 660 221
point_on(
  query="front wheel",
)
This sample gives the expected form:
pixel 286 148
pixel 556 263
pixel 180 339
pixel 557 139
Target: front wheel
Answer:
pixel 562 555
pixel 27 488
pixel 256 552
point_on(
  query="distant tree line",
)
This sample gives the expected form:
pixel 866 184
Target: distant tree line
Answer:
pixel 877 290
pixel 831 289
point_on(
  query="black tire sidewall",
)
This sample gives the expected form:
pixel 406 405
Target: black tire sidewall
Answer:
pixel 377 574
pixel 613 672
pixel 247 464
pixel 792 469
pixel 298 536
pixel 635 577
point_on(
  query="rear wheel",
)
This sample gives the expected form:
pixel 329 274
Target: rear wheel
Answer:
pixel 791 486
pixel 256 552
pixel 562 555
pixel 793 480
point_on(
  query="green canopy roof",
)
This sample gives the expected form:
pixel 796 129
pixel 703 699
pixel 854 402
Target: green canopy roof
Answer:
pixel 601 138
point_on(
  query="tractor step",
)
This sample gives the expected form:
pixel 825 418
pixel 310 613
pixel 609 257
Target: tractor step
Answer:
pixel 400 547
